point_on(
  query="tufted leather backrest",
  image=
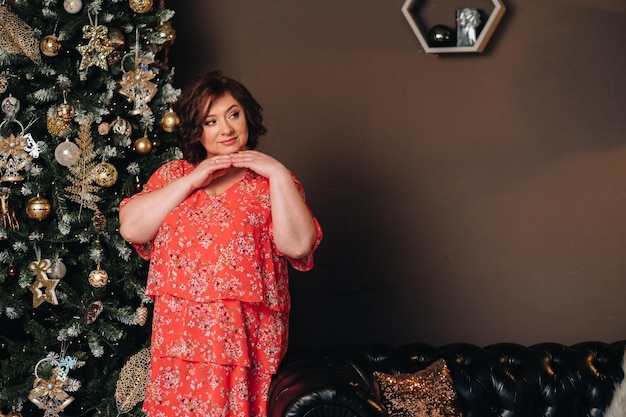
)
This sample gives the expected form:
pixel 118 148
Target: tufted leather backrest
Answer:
pixel 506 379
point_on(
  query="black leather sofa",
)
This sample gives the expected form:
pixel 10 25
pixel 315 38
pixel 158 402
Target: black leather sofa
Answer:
pixel 505 380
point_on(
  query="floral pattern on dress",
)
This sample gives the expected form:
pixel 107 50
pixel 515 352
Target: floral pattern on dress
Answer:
pixel 222 300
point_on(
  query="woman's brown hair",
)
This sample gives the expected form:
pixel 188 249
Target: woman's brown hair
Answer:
pixel 193 103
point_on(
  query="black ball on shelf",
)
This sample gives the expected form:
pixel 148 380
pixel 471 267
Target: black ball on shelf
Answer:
pixel 440 36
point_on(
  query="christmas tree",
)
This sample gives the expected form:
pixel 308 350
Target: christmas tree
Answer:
pixel 86 94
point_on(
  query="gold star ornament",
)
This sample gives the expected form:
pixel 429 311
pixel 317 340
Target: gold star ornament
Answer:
pixel 97 49
pixel 43 288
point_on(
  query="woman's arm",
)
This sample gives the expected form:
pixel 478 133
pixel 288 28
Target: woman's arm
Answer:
pixel 141 217
pixel 294 227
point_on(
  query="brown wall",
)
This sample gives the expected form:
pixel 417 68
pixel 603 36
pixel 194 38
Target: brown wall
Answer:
pixel 465 198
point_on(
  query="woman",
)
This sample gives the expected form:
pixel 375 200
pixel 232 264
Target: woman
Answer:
pixel 219 228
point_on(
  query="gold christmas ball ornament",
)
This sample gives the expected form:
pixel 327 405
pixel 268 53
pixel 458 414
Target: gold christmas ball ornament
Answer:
pixel 50 45
pixel 98 278
pixel 105 174
pixel 4 85
pixel 169 121
pixel 65 112
pixel 38 208
pixel 140 6
pixel 121 127
pixel 143 146
pixel 166 34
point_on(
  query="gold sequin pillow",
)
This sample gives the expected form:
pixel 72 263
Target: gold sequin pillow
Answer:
pixel 426 393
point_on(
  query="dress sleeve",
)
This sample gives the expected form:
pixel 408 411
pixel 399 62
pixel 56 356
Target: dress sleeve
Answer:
pixel 162 176
pixel 306 263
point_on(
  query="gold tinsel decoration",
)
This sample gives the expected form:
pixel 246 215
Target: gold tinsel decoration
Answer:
pixel 16 36
pixel 81 190
pixel 56 125
pixel 131 385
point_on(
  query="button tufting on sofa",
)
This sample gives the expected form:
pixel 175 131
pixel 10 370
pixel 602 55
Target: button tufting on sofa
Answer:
pixel 506 379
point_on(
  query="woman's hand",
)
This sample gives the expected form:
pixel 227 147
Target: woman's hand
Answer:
pixel 258 162
pixel 208 171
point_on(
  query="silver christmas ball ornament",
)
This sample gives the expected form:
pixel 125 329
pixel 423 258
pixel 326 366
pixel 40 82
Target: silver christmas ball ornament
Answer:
pixel 67 153
pixel 72 6
pixel 57 269
pixel 10 106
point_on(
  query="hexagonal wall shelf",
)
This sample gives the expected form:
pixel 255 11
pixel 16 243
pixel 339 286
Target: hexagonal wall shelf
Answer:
pixel 481 40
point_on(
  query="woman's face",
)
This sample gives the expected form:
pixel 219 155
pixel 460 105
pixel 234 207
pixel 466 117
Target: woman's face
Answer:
pixel 224 130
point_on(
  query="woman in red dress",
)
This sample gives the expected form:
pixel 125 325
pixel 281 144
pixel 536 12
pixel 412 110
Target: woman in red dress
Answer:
pixel 220 227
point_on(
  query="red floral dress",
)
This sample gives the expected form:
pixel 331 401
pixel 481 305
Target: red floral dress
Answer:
pixel 221 300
